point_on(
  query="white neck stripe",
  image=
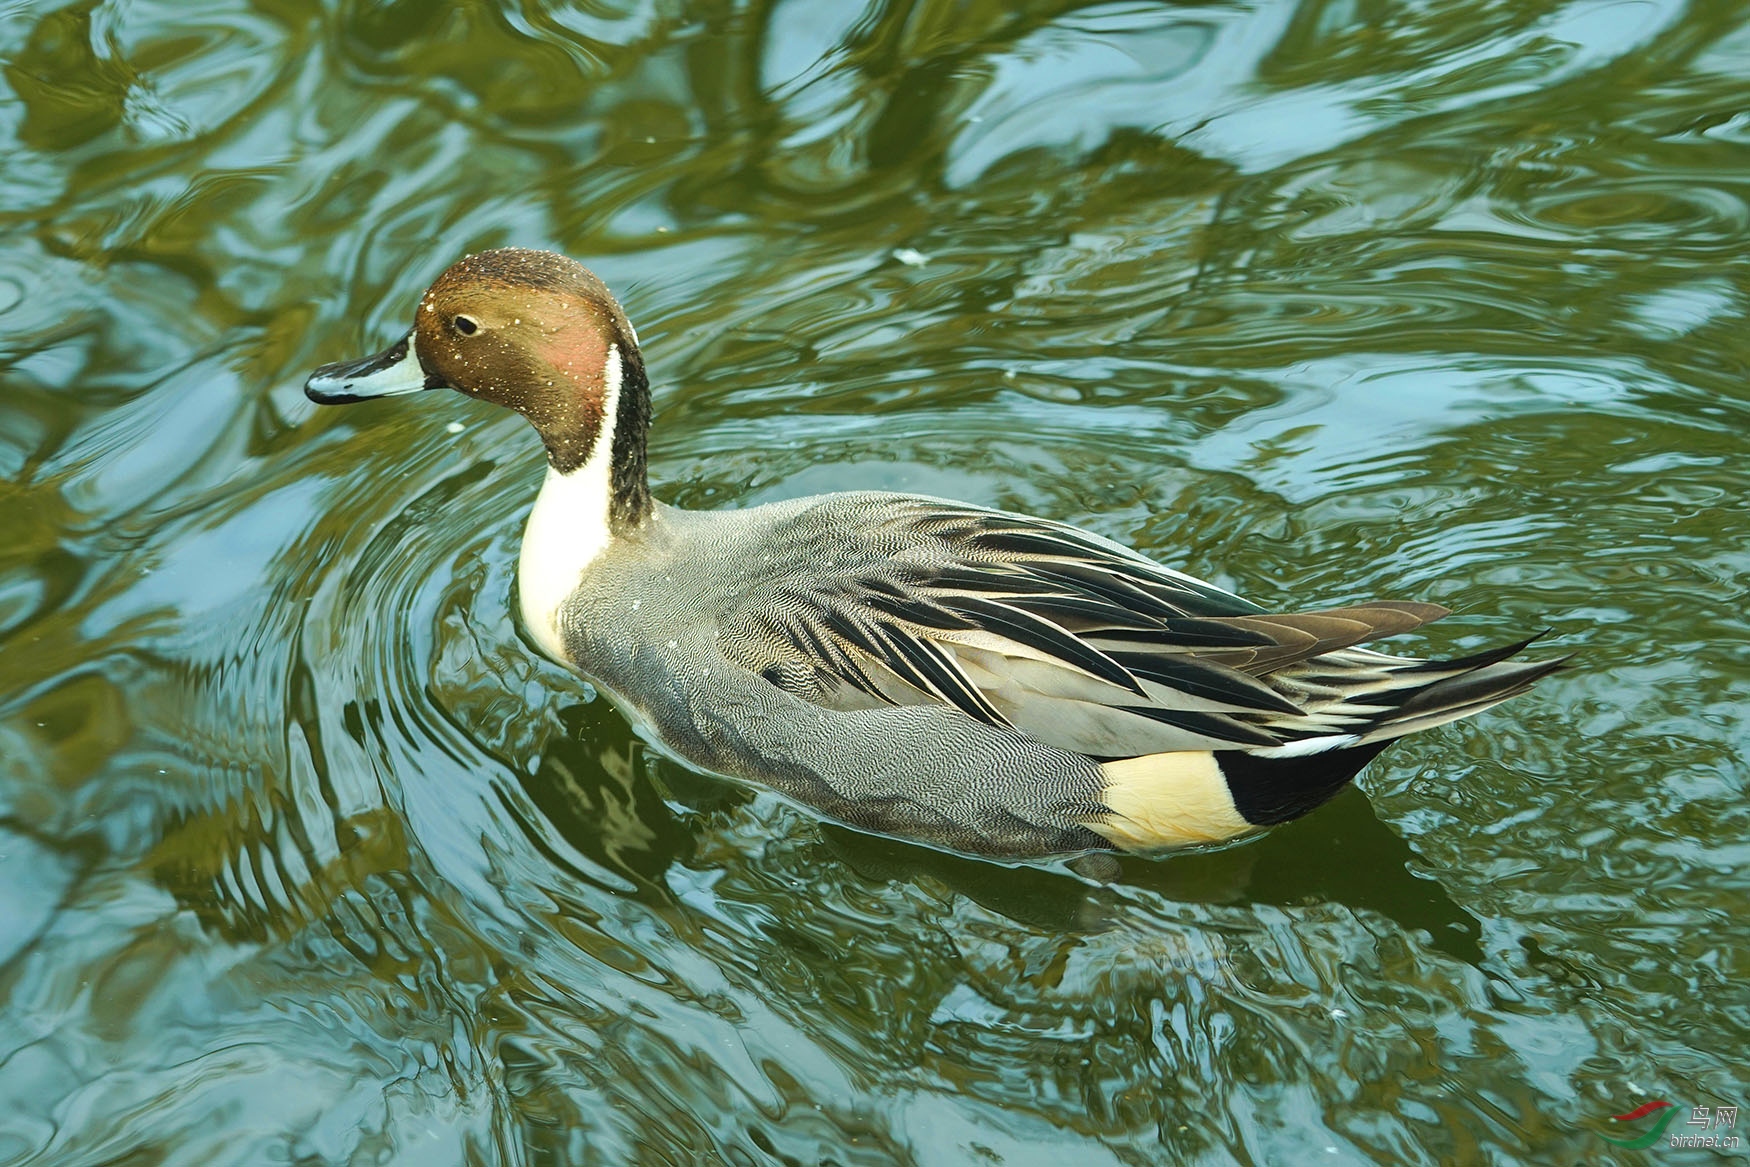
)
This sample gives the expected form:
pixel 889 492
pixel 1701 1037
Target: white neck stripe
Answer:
pixel 568 527
pixel 603 450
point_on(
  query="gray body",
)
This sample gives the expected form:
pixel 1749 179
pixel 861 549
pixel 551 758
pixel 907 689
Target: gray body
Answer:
pixel 694 666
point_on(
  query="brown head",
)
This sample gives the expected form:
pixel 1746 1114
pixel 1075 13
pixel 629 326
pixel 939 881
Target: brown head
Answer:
pixel 535 332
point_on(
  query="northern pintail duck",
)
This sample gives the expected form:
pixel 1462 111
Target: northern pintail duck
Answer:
pixel 978 680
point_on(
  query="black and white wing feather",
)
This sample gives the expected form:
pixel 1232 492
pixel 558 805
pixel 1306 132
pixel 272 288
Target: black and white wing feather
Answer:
pixel 1087 646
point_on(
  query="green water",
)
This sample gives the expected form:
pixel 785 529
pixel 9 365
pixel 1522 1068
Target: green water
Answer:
pixel 306 857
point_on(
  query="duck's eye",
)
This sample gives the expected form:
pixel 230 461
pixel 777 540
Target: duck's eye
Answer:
pixel 466 325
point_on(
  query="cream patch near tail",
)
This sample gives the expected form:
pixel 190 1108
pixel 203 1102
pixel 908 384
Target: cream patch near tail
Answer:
pixel 1176 799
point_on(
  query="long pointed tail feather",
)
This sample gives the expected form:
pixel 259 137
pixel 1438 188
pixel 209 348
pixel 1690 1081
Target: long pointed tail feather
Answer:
pixel 1200 797
pixel 1469 692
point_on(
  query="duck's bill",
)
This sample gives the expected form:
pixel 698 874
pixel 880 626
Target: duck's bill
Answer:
pixel 393 371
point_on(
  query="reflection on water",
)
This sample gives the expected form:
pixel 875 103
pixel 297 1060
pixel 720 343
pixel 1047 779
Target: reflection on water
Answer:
pixel 305 855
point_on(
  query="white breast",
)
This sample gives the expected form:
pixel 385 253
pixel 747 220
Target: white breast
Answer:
pixel 568 528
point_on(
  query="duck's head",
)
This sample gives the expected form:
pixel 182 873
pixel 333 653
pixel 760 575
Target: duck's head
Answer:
pixel 535 332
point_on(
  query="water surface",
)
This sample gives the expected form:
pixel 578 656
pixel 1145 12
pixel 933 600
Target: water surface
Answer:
pixel 306 856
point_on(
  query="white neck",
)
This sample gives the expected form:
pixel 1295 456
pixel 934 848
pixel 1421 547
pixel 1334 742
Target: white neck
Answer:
pixel 568 527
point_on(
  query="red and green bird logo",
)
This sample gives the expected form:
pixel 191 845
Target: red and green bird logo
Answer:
pixel 1653 1132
